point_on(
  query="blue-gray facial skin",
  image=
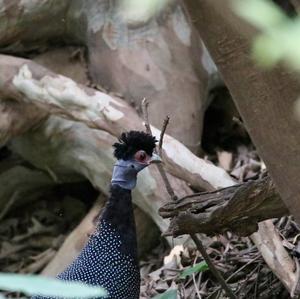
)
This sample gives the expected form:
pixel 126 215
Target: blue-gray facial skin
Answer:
pixel 125 171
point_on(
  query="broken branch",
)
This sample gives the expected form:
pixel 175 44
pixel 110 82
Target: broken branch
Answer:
pixel 238 209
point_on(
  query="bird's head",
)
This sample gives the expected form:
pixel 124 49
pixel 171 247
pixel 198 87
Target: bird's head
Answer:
pixel 134 152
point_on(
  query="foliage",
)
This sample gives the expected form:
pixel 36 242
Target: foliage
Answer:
pixel 200 267
pixel 141 11
pixel 280 35
pixel 33 285
pixel 170 294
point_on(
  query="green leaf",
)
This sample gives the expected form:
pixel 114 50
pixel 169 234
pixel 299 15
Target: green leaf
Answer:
pixel 200 267
pixel 261 13
pixel 170 294
pixel 141 11
pixel 279 38
pixel 44 286
pixel 266 51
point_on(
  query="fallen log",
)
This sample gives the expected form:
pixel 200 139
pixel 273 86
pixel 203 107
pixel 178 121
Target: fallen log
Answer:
pixel 238 209
pixel 65 149
pixel 26 81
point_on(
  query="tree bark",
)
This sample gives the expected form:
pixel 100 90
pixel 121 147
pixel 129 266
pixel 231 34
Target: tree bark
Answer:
pixel 259 98
pixel 158 58
pixel 262 98
pixel 19 21
pixel 26 81
pixel 238 209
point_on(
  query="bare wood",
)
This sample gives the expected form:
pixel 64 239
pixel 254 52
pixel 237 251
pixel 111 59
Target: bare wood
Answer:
pixel 276 257
pixel 19 33
pixel 163 131
pixel 238 208
pixel 137 60
pixel 67 149
pixel 17 118
pixel 24 80
pixel 145 105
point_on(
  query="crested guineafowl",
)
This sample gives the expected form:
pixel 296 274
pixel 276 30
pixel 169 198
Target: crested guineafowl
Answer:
pixel 110 257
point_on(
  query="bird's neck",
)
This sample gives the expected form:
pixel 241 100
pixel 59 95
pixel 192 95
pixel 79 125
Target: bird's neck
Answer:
pixel 124 174
pixel 119 214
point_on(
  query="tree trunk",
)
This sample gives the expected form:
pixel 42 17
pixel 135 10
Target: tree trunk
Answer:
pixel 265 100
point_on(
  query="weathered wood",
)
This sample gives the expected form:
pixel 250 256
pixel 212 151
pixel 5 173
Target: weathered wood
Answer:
pixel 161 58
pixel 269 243
pixel 17 118
pixel 66 149
pixel 19 32
pixel 238 208
pixel 26 81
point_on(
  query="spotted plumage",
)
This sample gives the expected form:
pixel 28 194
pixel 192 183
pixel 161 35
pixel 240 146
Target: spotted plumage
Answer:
pixel 110 257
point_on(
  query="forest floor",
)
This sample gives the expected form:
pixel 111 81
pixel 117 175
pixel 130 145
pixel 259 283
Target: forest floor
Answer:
pixel 31 236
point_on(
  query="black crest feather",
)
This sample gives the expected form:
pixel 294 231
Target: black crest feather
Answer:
pixel 133 141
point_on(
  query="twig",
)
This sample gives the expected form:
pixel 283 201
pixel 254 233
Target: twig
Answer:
pixel 243 267
pixel 166 182
pixel 145 105
pixel 194 280
pixel 296 288
pixel 256 282
pixel 248 277
pixel 212 267
pixel 170 190
pixel 160 168
pixel 162 133
pixel 11 201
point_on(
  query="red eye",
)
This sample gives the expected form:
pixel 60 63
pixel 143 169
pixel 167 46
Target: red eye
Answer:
pixel 140 156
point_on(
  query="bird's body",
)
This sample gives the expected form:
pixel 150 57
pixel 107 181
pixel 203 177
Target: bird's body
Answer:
pixel 110 257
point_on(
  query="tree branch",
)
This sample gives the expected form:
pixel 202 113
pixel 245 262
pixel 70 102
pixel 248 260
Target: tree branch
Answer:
pixel 238 208
pixel 26 81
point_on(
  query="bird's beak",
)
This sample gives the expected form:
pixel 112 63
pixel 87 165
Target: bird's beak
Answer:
pixel 155 159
